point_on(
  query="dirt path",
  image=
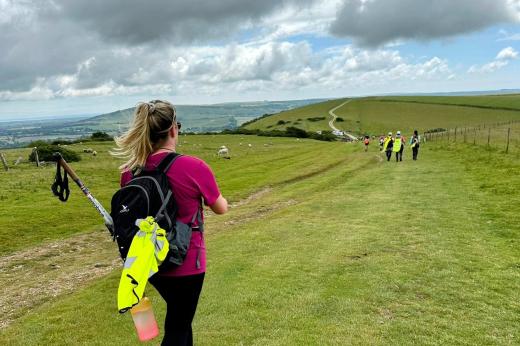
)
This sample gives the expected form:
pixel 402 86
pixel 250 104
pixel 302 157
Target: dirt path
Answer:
pixel 36 275
pixel 334 116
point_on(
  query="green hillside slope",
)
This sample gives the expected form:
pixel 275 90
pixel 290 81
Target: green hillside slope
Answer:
pixel 310 118
pixel 378 115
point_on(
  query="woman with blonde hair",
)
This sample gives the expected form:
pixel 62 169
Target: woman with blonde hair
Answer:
pixel 152 136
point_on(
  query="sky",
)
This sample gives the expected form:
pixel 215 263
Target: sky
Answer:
pixel 88 57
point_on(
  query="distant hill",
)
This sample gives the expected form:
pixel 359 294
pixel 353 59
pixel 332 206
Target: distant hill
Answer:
pixel 377 115
pixel 194 118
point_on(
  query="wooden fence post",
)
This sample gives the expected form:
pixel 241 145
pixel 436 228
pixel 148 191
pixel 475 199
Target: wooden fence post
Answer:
pixel 508 133
pixel 455 135
pixel 4 162
pixel 489 135
pixel 475 136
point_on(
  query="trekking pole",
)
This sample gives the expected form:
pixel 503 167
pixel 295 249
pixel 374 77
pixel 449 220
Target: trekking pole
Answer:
pixel 60 188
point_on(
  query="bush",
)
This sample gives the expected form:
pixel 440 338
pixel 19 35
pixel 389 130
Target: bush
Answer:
pixel 316 119
pixel 340 120
pixel 281 122
pixel 291 131
pixel 62 142
pixel 37 143
pixel 296 132
pixel 327 136
pixel 45 153
pixel 101 136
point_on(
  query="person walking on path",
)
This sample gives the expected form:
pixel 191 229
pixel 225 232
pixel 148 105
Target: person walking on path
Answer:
pixel 414 143
pixel 152 136
pixel 366 142
pixel 398 147
pixel 381 143
pixel 388 146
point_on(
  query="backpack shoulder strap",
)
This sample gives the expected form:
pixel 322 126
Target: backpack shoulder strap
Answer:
pixel 166 163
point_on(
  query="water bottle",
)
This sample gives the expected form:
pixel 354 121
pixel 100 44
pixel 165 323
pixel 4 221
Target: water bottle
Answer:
pixel 144 320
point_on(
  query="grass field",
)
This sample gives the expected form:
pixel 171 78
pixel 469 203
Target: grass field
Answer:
pixel 504 102
pixel 378 115
pixel 335 247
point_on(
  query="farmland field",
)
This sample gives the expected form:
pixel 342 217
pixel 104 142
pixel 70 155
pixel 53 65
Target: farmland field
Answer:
pixel 324 244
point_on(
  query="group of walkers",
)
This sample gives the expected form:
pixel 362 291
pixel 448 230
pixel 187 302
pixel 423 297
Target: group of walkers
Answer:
pixel 390 144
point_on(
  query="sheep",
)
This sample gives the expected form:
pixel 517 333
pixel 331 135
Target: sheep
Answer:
pixel 94 153
pixel 223 152
pixel 88 151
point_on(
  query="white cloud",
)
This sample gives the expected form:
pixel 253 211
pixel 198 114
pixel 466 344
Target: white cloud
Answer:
pixel 508 53
pixel 268 68
pixel 502 59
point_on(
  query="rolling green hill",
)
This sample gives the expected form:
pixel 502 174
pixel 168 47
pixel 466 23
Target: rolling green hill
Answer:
pixel 377 115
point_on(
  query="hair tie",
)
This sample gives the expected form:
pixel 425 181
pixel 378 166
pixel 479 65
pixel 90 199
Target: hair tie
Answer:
pixel 151 107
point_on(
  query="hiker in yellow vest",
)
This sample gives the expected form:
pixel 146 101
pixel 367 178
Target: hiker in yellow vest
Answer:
pixel 398 147
pixel 388 145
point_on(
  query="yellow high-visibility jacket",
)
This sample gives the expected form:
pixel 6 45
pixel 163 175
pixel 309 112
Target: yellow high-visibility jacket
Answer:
pixel 397 144
pixel 147 251
pixel 388 139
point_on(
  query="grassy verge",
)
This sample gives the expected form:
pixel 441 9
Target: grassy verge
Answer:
pixel 365 252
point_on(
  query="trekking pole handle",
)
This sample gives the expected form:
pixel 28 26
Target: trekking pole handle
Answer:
pixel 106 216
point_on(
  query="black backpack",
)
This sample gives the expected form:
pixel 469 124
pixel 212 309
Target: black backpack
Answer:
pixel 149 194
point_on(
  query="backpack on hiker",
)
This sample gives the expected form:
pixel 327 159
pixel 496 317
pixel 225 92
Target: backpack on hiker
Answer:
pixel 148 193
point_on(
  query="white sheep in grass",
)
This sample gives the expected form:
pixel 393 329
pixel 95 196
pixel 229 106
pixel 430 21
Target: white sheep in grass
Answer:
pixel 223 152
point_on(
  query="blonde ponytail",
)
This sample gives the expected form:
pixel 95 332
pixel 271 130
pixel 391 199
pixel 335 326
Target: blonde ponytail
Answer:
pixel 151 123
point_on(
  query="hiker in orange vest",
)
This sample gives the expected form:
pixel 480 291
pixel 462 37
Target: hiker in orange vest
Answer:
pixel 367 142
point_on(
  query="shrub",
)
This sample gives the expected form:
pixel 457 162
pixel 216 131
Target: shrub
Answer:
pixel 291 131
pixel 281 122
pixel 101 136
pixel 340 120
pixel 37 143
pixel 316 119
pixel 296 132
pixel 45 153
pixel 62 142
pixel 327 136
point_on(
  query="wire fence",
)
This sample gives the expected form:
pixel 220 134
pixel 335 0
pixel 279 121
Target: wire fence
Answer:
pixel 504 137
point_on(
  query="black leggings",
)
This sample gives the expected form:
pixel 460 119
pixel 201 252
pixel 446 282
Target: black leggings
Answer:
pixel 181 295
pixel 399 154
pixel 415 151
pixel 388 154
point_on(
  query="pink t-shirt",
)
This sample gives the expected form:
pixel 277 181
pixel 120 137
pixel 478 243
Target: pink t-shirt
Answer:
pixel 190 180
